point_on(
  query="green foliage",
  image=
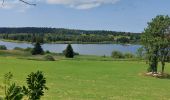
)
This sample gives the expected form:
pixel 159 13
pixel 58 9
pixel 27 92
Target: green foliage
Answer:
pixel 67 35
pixel 18 48
pixel 36 84
pixel 129 55
pixel 155 40
pixel 49 58
pixel 123 40
pixel 7 78
pixel 37 50
pixel 69 53
pixel 140 53
pixel 117 54
pixel 47 52
pixel 28 49
pixel 22 49
pixel 3 47
pixel 120 55
pixel 14 93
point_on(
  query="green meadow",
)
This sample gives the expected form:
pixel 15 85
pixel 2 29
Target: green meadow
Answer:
pixel 89 78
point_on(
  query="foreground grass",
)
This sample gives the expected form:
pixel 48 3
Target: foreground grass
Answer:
pixel 90 79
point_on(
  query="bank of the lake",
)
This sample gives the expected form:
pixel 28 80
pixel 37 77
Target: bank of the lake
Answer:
pixel 74 42
pixel 83 49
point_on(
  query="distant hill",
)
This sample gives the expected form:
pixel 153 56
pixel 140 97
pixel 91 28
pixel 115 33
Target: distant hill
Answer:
pixel 61 35
pixel 56 30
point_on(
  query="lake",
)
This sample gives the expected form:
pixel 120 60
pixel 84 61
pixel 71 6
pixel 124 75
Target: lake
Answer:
pixel 84 49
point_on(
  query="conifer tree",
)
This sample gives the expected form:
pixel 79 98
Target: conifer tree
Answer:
pixel 37 49
pixel 69 53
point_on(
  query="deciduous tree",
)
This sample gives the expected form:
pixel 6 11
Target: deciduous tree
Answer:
pixel 155 41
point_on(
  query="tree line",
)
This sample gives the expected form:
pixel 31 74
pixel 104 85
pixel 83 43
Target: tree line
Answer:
pixel 44 35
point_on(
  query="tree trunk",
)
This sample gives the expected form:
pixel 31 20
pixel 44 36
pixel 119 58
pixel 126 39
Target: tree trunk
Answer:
pixel 163 66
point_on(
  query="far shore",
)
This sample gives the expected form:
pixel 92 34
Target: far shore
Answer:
pixel 71 42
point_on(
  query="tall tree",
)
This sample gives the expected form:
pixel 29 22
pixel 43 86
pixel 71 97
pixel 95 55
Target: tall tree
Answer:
pixel 154 39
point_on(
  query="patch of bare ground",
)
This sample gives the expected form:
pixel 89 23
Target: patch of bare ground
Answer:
pixel 158 75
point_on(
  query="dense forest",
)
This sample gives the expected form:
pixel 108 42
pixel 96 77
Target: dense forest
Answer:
pixel 60 35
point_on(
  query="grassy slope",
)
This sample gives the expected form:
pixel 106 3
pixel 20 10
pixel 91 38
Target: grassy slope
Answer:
pixel 91 80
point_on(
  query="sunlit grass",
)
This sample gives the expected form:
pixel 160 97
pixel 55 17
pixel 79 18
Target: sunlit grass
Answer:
pixel 90 79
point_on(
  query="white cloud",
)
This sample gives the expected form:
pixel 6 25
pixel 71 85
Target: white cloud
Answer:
pixel 82 4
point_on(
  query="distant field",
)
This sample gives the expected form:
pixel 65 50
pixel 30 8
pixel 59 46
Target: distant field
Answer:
pixel 79 79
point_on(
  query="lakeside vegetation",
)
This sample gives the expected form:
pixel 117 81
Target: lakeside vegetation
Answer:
pixel 54 35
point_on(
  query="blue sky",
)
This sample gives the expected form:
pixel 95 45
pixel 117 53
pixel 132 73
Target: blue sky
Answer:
pixel 116 15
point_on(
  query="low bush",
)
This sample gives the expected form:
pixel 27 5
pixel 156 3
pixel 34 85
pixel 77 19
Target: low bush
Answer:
pixel 129 55
pixel 22 49
pixel 28 49
pixel 18 48
pixel 117 54
pixel 3 47
pixel 49 58
pixel 47 52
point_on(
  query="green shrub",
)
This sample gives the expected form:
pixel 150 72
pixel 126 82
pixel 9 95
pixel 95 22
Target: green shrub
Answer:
pixel 49 58
pixel 3 47
pixel 141 53
pixel 36 85
pixel 28 49
pixel 117 54
pixel 129 55
pixel 47 52
pixel 18 48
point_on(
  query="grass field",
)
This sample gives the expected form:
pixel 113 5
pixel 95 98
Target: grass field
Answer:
pixel 90 79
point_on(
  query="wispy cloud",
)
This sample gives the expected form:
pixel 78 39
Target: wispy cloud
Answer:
pixel 15 4
pixel 77 4
pixel 82 4
pixel 8 4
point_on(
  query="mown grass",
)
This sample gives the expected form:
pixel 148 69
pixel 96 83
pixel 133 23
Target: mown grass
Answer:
pixel 90 79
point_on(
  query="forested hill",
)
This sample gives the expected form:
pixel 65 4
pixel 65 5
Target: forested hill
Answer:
pixel 58 30
pixel 60 34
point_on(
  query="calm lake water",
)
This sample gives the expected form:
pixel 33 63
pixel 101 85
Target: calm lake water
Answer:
pixel 85 49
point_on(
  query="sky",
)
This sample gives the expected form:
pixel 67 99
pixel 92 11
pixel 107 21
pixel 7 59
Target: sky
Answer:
pixel 114 15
